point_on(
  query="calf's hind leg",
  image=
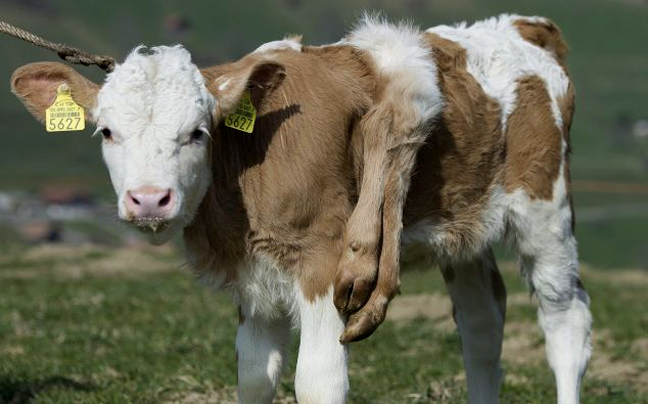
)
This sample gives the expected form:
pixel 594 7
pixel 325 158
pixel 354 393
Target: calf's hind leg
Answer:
pixel 479 298
pixel 549 260
pixel 402 158
pixel 358 266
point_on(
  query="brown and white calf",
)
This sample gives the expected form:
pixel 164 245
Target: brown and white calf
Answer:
pixel 458 134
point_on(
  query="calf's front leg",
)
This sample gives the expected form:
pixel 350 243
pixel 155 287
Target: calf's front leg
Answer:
pixel 479 298
pixel 261 346
pixel 321 376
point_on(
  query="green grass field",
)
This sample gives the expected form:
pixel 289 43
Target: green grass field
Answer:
pixel 86 325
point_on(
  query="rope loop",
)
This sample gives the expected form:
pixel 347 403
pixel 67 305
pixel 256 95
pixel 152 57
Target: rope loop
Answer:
pixel 65 52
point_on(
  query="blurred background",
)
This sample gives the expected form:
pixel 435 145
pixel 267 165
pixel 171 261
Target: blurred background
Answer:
pixel 54 188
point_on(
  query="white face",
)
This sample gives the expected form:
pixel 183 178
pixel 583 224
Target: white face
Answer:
pixel 154 113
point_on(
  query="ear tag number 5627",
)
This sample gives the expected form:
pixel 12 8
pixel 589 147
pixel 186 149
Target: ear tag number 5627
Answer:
pixel 64 114
pixel 244 116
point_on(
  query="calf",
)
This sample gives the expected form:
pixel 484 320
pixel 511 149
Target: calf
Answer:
pixel 459 134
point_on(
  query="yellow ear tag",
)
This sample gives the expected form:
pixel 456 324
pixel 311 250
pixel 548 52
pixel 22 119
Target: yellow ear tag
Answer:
pixel 64 114
pixel 244 117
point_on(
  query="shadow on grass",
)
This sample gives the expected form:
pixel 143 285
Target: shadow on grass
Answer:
pixel 15 391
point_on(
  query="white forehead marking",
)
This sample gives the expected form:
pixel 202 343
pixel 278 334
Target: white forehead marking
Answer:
pixel 289 43
pixel 159 88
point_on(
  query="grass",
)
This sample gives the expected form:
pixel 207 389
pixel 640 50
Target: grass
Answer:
pixel 86 325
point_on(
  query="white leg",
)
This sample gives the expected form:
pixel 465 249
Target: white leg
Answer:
pixel 260 350
pixel 322 363
pixel 567 323
pixel 479 298
pixel 550 262
pixel 563 315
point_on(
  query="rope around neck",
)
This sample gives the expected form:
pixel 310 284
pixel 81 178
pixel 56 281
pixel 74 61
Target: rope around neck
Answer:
pixel 65 52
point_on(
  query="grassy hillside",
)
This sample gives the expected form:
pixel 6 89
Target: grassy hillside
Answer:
pixel 609 61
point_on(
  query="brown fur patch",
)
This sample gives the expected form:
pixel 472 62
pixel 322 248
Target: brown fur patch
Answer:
pixel 463 155
pixel 533 142
pixel 567 106
pixel 546 36
pixel 254 73
pixel 215 238
pixel 286 191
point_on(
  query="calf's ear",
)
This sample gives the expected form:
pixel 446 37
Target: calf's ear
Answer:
pixel 228 83
pixel 35 85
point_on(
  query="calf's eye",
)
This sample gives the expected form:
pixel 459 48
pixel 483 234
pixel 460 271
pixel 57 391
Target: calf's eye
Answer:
pixel 106 133
pixel 197 136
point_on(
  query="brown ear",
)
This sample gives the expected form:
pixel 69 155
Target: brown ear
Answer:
pixel 35 85
pixel 228 82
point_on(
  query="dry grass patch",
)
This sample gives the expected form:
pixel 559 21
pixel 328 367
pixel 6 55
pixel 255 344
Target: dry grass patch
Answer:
pixel 435 307
pixel 68 262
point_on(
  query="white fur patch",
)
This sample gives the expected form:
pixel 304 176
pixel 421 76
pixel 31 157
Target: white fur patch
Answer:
pixel 284 44
pixel 498 57
pixel 404 60
pixel 266 289
pixel 149 87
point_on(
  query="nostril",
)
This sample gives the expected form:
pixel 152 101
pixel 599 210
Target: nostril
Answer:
pixel 135 200
pixel 165 200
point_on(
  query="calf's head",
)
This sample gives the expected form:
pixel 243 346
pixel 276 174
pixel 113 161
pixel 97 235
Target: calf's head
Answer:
pixel 156 113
